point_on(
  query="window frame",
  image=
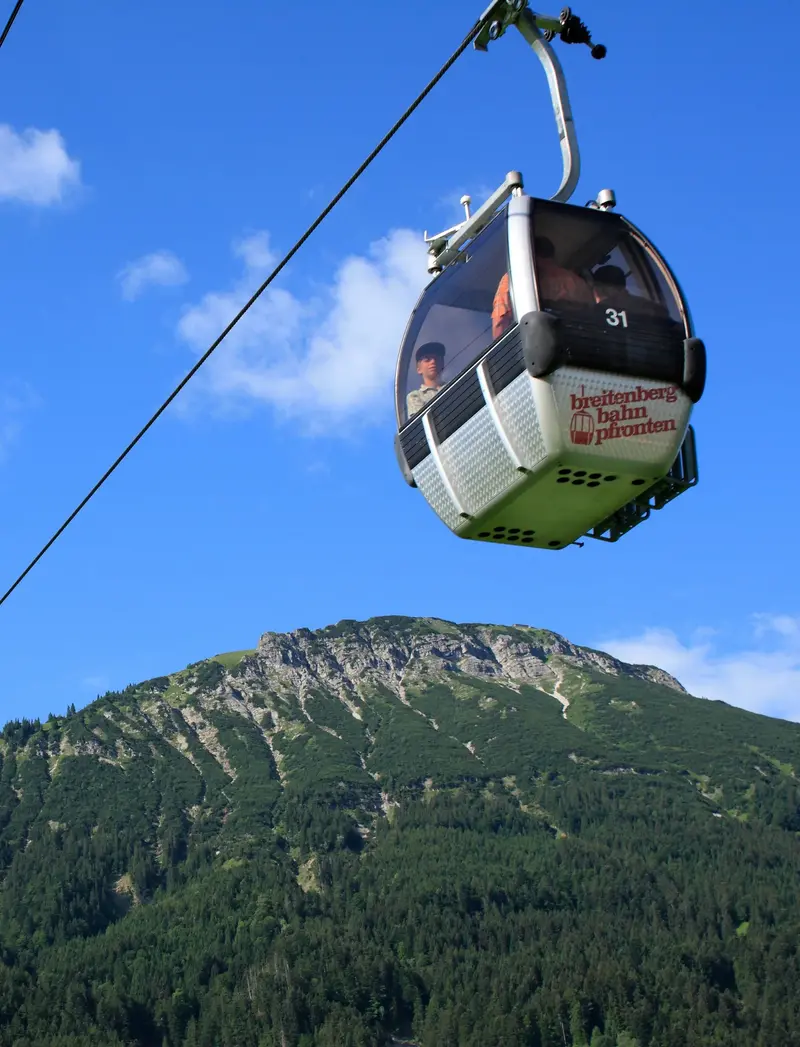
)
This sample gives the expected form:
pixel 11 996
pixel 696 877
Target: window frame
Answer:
pixel 427 301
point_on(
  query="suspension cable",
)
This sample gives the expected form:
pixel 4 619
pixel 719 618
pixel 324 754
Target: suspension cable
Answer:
pixel 317 222
pixel 10 21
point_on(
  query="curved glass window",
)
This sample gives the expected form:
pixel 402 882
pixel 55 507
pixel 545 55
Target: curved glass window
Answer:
pixel 618 310
pixel 453 322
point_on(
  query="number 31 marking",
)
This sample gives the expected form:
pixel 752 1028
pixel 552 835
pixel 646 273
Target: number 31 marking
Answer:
pixel 615 317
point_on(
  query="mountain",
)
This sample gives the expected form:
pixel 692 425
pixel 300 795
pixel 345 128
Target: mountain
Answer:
pixel 401 830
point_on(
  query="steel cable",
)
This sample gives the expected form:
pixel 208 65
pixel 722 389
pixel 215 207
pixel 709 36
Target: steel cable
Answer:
pixel 10 21
pixel 290 254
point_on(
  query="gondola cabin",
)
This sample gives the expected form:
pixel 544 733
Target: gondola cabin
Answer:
pixel 547 376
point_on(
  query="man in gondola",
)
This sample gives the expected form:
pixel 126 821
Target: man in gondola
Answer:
pixel 555 284
pixel 430 364
pixel 611 289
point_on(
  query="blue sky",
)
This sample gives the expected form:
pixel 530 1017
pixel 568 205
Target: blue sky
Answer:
pixel 151 166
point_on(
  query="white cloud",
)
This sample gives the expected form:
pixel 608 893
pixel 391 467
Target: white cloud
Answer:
pixel 327 356
pixel 35 167
pixel 763 676
pixel 159 269
pixel 256 252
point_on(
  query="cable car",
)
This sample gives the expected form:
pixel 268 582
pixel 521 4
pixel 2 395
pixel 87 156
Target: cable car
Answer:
pixel 547 375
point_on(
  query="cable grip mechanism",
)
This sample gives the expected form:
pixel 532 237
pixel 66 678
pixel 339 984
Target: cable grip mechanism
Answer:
pixel 574 31
pixel 567 26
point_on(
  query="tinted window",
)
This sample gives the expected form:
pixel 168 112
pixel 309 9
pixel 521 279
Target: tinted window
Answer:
pixel 452 324
pixel 617 310
pixel 585 257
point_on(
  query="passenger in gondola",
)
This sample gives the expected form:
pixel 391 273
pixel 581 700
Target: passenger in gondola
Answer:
pixel 611 290
pixel 430 365
pixel 556 284
pixel 502 316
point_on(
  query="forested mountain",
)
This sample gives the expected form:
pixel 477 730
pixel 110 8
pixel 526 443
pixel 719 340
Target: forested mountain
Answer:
pixel 402 829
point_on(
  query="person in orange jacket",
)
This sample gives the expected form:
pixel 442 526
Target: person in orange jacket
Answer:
pixel 555 284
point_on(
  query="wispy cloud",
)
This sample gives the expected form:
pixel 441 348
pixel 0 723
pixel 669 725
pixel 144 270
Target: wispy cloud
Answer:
pixel 762 675
pixel 256 252
pixel 159 269
pixel 329 355
pixel 450 207
pixel 95 683
pixel 35 167
pixel 16 400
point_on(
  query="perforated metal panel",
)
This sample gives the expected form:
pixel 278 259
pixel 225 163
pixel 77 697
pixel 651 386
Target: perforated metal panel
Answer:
pixel 429 483
pixel 477 463
pixel 517 411
pixel 642 430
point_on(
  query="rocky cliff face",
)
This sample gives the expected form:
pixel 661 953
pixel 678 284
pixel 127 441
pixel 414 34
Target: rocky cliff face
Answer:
pixel 273 687
pixel 346 657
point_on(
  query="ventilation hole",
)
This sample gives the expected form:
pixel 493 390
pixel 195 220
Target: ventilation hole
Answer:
pixel 513 538
pixel 609 479
pixel 484 534
pixel 580 472
pixel 553 544
pixel 513 530
pixel 593 483
pixel 527 541
pixel 562 480
pixel 637 483
pixel 595 476
pixel 563 472
pixel 529 532
pixel 577 483
pixel 500 527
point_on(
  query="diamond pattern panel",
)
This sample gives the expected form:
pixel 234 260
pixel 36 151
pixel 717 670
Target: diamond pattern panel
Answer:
pixel 477 463
pixel 517 411
pixel 429 483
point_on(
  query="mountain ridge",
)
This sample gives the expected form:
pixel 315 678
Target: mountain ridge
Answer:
pixel 462 835
pixel 496 646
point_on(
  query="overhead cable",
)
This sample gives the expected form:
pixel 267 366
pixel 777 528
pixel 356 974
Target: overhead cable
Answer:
pixel 10 21
pixel 317 221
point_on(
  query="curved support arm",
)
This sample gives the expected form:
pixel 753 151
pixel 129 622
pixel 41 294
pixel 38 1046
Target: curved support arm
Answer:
pixel 526 23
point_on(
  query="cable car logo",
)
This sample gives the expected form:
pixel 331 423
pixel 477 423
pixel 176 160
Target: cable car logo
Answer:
pixel 581 428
